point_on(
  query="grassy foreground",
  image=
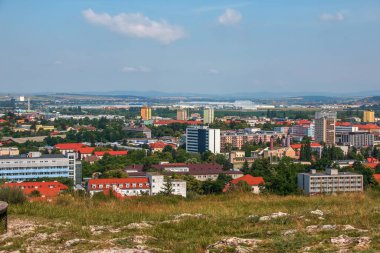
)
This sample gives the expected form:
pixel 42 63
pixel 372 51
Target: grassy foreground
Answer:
pixel 80 224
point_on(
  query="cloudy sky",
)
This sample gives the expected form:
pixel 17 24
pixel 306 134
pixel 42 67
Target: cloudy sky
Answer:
pixel 196 46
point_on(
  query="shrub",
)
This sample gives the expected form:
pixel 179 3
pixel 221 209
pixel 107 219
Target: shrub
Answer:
pixel 12 195
pixel 35 193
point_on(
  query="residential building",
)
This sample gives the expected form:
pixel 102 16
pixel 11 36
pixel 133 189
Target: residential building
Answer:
pixel 158 182
pixel 100 154
pixel 44 128
pixel 331 181
pixel 315 148
pixel 160 145
pixel 302 131
pixel 369 116
pixel 127 186
pixel 238 139
pixel 238 158
pixel 201 172
pixel 36 165
pixel 46 189
pixel 66 148
pixel 256 183
pixel 145 131
pixel 9 151
pixel 182 114
pixel 146 113
pixel 200 139
pixel 345 129
pixel 276 153
pixel 356 139
pixel 325 127
pixel 173 121
pixel 208 115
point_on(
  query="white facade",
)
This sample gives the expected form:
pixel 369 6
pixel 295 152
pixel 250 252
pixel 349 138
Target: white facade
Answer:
pixel 157 182
pixel 329 182
pixel 200 139
pixel 208 115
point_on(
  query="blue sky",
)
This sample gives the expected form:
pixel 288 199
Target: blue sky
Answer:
pixel 189 46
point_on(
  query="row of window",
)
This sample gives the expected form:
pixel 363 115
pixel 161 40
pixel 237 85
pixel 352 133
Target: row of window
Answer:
pixel 127 185
pixel 34 173
pixel 33 168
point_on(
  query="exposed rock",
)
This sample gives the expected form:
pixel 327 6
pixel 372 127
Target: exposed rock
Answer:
pixel 240 245
pixel 317 212
pixel 140 225
pixel 290 232
pixel 328 227
pixel 73 242
pixel 141 239
pixel 343 241
pixel 119 250
pixel 273 216
pixel 188 215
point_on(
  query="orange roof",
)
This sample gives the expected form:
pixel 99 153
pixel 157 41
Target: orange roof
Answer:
pixel 338 123
pixel 69 146
pixel 47 189
pixel 3 121
pixel 313 144
pixel 377 177
pixel 372 165
pixel 160 144
pixel 368 127
pixel 119 152
pixel 86 150
pixel 372 160
pixel 249 179
pixel 303 122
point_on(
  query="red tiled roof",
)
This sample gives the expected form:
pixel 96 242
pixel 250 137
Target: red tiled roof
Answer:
pixel 372 160
pixel 160 144
pixel 250 180
pixel 3 121
pixel 93 184
pixel 86 150
pixel 119 152
pixel 303 122
pixel 69 146
pixel 47 189
pixel 368 127
pixel 372 165
pixel 377 177
pixel 338 123
pixel 298 145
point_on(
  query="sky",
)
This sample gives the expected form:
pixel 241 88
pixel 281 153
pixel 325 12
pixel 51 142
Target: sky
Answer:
pixel 198 46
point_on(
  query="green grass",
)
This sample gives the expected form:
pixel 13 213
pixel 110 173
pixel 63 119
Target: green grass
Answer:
pixel 225 216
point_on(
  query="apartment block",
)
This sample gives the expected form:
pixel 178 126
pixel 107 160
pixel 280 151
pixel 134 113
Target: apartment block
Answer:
pixel 200 139
pixel 331 181
pixel 36 165
pixel 325 127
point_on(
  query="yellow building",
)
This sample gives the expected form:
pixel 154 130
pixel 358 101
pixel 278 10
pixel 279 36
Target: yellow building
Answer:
pixel 369 116
pixel 146 113
pixel 182 114
pixel 9 151
pixel 45 128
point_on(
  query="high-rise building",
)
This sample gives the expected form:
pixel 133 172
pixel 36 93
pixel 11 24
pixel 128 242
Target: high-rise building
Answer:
pixel 208 115
pixel 325 127
pixel 369 116
pixel 182 114
pixel 146 113
pixel 200 139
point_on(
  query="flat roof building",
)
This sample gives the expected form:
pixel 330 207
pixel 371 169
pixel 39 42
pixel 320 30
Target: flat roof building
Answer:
pixel 331 181
pixel 36 165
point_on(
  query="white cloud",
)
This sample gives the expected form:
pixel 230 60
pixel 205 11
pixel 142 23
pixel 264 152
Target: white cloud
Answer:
pixel 57 62
pixel 230 17
pixel 136 25
pixel 140 69
pixel 213 71
pixel 339 16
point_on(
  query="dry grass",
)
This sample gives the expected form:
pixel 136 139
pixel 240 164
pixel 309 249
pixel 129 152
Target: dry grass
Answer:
pixel 224 216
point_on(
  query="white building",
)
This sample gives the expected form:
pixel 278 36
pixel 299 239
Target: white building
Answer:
pixel 158 185
pixel 36 165
pixel 332 181
pixel 200 139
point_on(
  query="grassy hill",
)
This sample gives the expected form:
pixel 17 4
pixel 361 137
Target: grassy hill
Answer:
pixel 220 223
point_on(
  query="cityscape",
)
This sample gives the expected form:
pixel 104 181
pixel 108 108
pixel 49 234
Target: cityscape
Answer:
pixel 199 142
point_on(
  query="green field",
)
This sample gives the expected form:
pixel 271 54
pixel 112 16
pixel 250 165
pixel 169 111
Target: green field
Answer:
pixel 79 224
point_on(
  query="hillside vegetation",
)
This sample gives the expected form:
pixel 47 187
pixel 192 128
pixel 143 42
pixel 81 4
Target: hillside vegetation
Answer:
pixel 169 224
